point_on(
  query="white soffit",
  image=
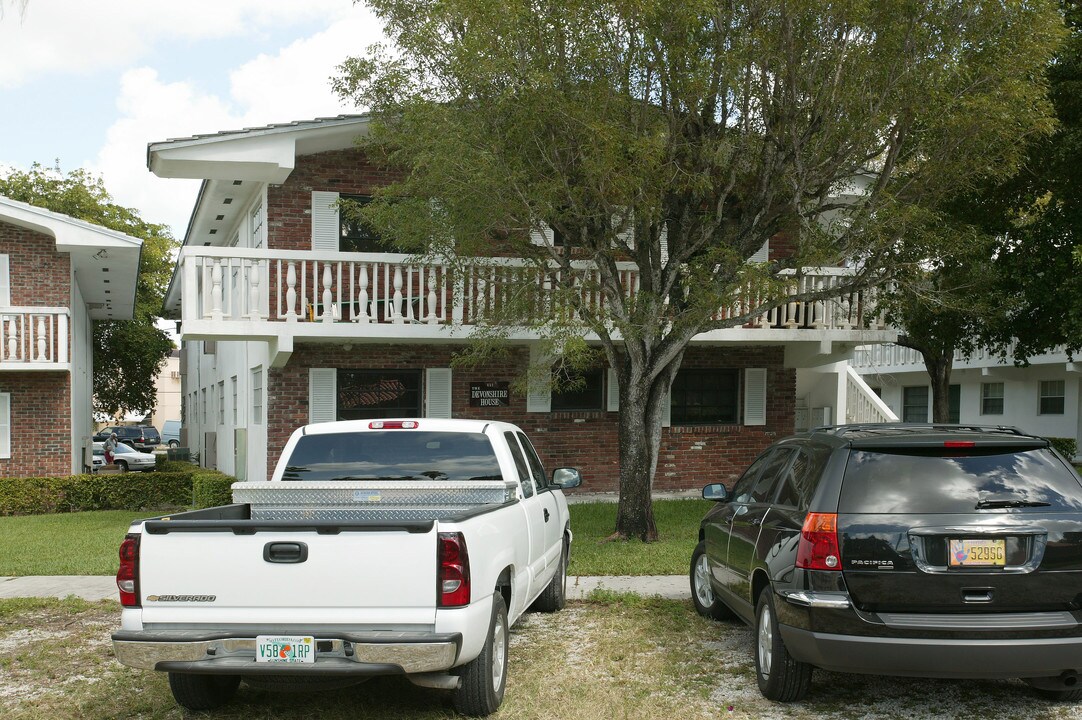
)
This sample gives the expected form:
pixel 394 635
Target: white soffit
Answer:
pixel 105 262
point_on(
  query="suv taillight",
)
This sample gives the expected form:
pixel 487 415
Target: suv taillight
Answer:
pixel 127 577
pixel 453 580
pixel 818 548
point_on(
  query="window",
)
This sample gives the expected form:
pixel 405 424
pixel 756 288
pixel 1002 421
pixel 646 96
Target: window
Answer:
pixel 800 479
pixel 255 225
pixel 367 394
pixel 233 387
pixel 992 398
pixel 763 489
pixel 355 234
pixel 702 397
pixel 5 425
pixel 203 393
pixel 257 395
pixel 1052 392
pixel 954 404
pixel 221 403
pixel 538 469
pixel 520 464
pixel 915 404
pixel 586 392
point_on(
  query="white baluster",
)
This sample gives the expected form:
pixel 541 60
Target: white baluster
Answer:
pixel 431 317
pixel 216 291
pixel 41 340
pixel 253 291
pixel 396 304
pixel 13 339
pixel 328 299
pixel 362 295
pixel 291 292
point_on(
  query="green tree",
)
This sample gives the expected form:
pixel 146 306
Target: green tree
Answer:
pixel 127 353
pixel 682 136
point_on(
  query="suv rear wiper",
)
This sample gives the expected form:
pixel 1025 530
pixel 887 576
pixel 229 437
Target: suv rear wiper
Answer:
pixel 1008 503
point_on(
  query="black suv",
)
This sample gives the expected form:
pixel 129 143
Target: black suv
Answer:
pixel 139 437
pixel 899 549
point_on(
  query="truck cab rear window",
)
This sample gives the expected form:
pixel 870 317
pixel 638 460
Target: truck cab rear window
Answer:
pixel 920 481
pixel 393 455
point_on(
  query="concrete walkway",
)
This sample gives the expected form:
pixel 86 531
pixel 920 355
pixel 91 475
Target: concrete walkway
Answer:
pixel 103 587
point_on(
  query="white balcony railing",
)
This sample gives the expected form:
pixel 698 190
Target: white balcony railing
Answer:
pixel 298 286
pixel 33 336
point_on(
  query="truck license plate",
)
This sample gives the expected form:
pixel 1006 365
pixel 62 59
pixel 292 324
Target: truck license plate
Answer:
pixel 285 649
pixel 978 553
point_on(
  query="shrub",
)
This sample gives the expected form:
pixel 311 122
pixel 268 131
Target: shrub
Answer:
pixel 210 488
pixel 128 491
pixel 1067 447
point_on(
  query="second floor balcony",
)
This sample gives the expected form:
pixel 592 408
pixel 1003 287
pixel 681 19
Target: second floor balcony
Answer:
pixel 238 293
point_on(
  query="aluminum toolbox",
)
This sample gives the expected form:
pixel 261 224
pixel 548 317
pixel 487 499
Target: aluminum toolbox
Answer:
pixel 368 499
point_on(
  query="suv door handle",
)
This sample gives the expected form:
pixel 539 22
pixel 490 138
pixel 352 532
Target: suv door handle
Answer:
pixel 546 514
pixel 755 521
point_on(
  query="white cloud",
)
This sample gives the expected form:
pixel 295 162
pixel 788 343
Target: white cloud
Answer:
pixel 85 37
pixel 291 85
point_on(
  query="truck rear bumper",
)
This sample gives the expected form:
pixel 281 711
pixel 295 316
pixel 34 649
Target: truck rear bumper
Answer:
pixel 341 655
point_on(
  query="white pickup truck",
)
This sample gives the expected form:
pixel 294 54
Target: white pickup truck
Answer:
pixel 378 547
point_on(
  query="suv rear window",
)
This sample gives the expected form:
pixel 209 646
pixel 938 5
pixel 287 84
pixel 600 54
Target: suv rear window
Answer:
pixel 393 455
pixel 923 481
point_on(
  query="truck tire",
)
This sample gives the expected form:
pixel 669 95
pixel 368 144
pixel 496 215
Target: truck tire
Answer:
pixel 706 602
pixel 781 678
pixel 554 596
pixel 202 692
pixel 483 680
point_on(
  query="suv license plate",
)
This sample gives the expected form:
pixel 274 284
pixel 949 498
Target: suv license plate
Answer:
pixel 977 553
pixel 285 649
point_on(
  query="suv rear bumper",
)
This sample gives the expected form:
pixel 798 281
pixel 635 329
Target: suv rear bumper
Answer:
pixel 934 657
pixel 341 655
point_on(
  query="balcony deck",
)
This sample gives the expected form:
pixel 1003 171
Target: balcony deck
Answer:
pixel 281 296
pixel 34 339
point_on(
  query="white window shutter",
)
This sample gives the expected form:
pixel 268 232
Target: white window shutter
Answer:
pixel 539 397
pixel 544 237
pixel 666 410
pixel 762 255
pixel 613 399
pixel 325 228
pixel 755 396
pixel 5 282
pixel 664 239
pixel 322 395
pixel 5 424
pixel 438 392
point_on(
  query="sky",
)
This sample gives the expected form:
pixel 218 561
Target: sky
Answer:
pixel 90 84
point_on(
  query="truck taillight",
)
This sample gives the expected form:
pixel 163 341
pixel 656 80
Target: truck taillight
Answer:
pixel 453 579
pixel 392 425
pixel 127 577
pixel 818 547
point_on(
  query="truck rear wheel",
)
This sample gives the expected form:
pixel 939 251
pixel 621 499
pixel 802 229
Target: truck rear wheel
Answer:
pixel 202 692
pixel 483 680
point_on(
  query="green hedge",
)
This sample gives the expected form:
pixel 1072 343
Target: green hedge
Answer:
pixel 1067 446
pixel 193 486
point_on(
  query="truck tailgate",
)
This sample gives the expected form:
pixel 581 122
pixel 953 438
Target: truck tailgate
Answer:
pixel 255 573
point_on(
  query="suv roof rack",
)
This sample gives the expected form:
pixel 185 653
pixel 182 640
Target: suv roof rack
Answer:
pixel 867 429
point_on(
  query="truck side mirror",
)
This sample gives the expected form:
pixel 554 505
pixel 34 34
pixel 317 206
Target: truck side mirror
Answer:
pixel 566 478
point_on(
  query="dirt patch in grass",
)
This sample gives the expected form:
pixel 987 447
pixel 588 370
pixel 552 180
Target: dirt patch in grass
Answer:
pixel 612 658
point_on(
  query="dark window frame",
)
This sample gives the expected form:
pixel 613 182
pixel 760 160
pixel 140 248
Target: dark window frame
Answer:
pixel 989 404
pixel 355 235
pixel 907 405
pixel 590 398
pixel 1048 404
pixel 684 410
pixel 414 387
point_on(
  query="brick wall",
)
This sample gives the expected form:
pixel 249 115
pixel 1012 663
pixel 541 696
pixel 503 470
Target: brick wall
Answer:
pixel 40 424
pixel 690 456
pixel 39 274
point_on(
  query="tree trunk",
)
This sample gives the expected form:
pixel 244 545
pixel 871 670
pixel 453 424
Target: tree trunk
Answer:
pixel 939 370
pixel 641 410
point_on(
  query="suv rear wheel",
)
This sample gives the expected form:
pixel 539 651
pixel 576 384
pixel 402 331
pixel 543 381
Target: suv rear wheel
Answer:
pixel 706 602
pixel 781 678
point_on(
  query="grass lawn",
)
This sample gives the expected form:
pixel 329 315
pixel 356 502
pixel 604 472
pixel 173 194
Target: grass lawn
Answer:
pixel 86 543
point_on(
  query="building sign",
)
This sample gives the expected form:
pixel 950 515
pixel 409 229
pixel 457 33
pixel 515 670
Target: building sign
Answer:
pixel 490 394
